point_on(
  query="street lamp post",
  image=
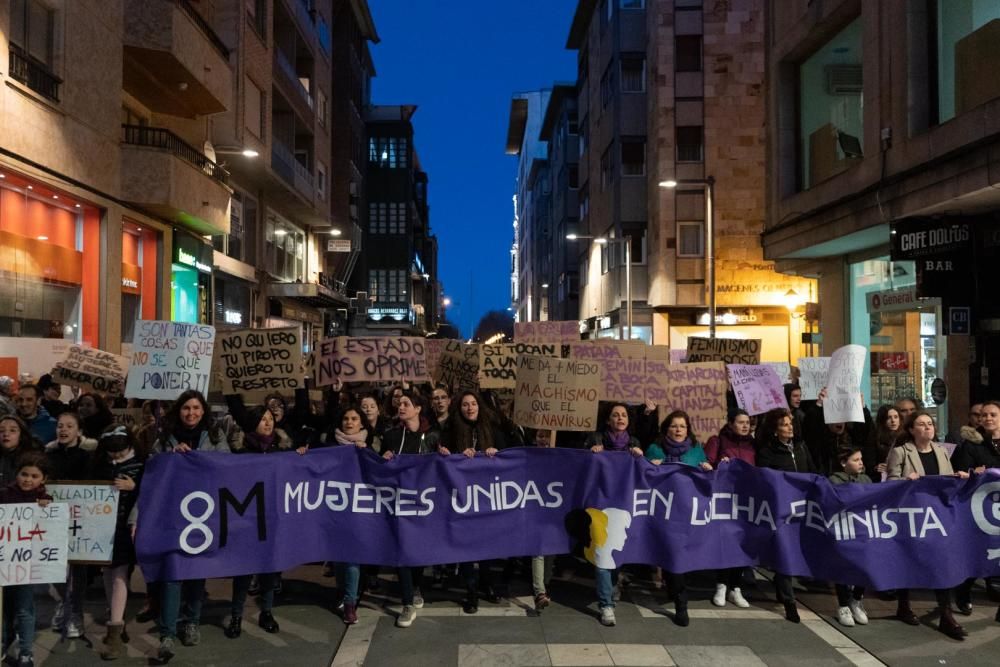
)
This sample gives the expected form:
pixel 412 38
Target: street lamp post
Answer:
pixel 627 240
pixel 708 184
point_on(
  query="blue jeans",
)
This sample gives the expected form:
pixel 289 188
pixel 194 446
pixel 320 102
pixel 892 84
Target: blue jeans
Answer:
pixel 19 616
pixel 172 593
pixel 606 582
pixel 241 585
pixel 410 579
pixel 348 576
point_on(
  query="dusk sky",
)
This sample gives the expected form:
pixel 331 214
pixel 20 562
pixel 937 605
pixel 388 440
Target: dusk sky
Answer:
pixel 460 62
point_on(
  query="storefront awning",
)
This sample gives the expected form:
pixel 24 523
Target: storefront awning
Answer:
pixel 290 309
pixel 310 294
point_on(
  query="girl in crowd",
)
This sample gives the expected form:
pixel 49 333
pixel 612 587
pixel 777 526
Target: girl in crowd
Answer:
pixel 349 574
pixel 392 404
pixel 117 462
pixel 19 601
pixel 187 427
pixel 257 435
pixel 678 444
pixel 413 435
pixel 95 416
pixel 615 437
pixel 850 606
pixel 882 438
pixel 69 458
pixel 374 423
pixel 474 429
pixel 916 457
pixel 780 451
pixel 793 396
pixel 15 441
pixel 734 441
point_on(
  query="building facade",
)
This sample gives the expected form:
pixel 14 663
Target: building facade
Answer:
pixel 881 186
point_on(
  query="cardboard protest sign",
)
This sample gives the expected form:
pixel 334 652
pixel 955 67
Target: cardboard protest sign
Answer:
pixel 813 372
pixel 843 385
pixel 498 361
pixel 622 365
pixel 374 359
pixel 729 350
pixel 700 390
pixel 169 358
pixel 130 417
pixel 458 366
pixel 553 393
pixel 92 370
pixel 656 366
pixel 93 514
pixel 433 347
pixel 258 362
pixel 558 332
pixel 33 544
pixel 758 389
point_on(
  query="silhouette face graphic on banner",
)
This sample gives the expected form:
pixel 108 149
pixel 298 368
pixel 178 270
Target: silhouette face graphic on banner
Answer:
pixel 608 533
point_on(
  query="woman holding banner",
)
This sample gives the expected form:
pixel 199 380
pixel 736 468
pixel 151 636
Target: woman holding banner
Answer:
pixel 780 451
pixel 414 435
pixel 918 456
pixel 187 427
pixel 473 429
pixel 375 424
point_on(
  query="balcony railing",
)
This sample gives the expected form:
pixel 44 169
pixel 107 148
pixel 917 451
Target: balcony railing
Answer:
pixel 165 140
pixel 294 172
pixel 33 73
pixel 289 69
pixel 216 41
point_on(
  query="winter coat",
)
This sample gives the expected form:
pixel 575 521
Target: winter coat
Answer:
pixel 42 426
pixel 401 440
pixel 729 444
pixel 692 457
pixel 211 439
pixel 8 463
pixel 844 478
pixel 971 454
pixel 906 459
pixel 71 463
pixel 241 444
pixel 601 438
pixel 776 455
pixel 12 493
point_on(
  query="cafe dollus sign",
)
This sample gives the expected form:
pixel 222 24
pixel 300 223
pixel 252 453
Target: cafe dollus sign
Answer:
pixel 941 249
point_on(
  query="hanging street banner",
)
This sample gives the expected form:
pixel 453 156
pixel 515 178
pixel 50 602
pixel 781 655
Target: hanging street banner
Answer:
pixel 208 515
pixel 375 359
pixel 560 394
pixel 168 358
pixel 258 362
pixel 92 370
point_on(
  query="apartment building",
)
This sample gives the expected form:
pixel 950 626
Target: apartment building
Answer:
pixel 881 186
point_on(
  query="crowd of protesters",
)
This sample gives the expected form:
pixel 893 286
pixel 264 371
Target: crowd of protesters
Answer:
pixel 42 438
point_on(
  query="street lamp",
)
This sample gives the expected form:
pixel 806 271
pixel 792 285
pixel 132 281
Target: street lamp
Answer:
pixel 627 240
pixel 709 186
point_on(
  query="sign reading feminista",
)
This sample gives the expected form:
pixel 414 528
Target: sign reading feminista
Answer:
pixel 218 516
pixel 168 358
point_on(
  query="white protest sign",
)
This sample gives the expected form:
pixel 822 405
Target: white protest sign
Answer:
pixel 33 543
pixel 782 368
pixel 812 376
pixel 843 385
pixel 169 358
pixel 93 515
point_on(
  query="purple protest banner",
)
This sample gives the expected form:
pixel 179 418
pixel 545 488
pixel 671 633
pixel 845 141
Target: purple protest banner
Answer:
pixel 215 515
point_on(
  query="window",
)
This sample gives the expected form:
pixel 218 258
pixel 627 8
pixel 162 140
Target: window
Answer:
pixel 284 249
pixel 584 134
pixel 607 167
pixel 257 16
pixel 388 152
pixel 831 108
pixel 690 239
pixel 965 45
pixel 323 34
pixel 689 144
pixel 607 86
pixel 632 4
pixel 386 217
pixel 322 108
pixel 633 156
pixel 633 73
pixel 33 29
pixel 321 180
pixel 388 285
pixel 687 53
pixel 254 109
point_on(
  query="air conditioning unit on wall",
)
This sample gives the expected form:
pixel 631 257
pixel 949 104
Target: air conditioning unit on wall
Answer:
pixel 844 79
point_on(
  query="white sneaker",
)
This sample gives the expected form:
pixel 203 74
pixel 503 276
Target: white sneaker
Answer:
pixel 719 599
pixel 418 599
pixel 858 612
pixel 608 616
pixel 845 617
pixel 406 617
pixel 74 628
pixel 736 597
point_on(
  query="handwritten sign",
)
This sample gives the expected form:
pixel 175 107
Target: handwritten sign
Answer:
pixel 498 361
pixel 843 385
pixel 813 372
pixel 700 390
pixel 458 366
pixel 560 394
pixel 729 350
pixel 433 347
pixel 92 370
pixel 375 359
pixel 130 417
pixel 93 515
pixel 783 369
pixel 758 389
pixel 622 365
pixel 258 362
pixel 558 332
pixel 169 358
pixel 33 543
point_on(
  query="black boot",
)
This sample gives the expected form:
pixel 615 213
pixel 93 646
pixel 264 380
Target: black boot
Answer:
pixel 905 614
pixel 949 626
pixel 471 603
pixel 681 617
pixel 791 611
pixel 235 627
pixel 267 622
pixel 490 595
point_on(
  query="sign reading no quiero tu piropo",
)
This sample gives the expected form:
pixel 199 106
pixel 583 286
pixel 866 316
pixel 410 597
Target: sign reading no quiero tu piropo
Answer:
pixel 389 358
pixel 169 358
pixel 257 362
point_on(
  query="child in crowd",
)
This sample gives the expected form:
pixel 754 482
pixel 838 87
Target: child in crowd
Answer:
pixel 850 606
pixel 19 601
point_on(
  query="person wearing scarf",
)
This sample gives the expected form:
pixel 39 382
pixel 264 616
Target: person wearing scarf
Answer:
pixel 677 444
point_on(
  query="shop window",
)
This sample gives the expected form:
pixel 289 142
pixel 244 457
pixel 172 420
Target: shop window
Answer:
pixel 967 55
pixel 831 107
pixel 690 239
pixel 687 53
pixel 140 276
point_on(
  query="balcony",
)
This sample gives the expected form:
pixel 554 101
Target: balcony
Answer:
pixel 166 176
pixel 33 73
pixel 291 170
pixel 173 62
pixel 291 85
